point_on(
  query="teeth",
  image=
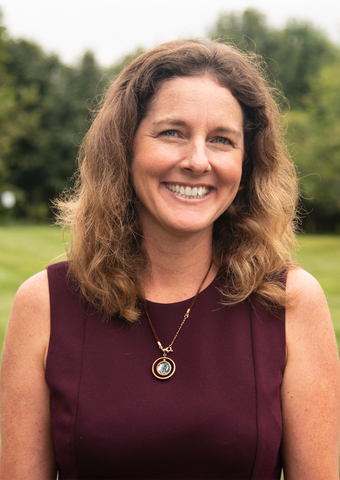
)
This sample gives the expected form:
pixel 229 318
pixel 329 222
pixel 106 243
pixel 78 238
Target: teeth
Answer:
pixel 188 192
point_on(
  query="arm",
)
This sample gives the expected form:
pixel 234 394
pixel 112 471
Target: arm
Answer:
pixel 26 445
pixel 310 390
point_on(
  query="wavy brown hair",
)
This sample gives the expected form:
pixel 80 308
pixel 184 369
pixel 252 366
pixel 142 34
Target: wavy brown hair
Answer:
pixel 252 240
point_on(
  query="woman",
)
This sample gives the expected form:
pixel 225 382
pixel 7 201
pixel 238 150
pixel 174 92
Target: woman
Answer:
pixel 184 206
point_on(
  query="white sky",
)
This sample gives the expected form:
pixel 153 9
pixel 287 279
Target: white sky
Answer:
pixel 113 28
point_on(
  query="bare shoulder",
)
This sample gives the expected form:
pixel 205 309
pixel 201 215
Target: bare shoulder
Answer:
pixel 310 390
pixel 30 315
pixel 303 288
pixel 27 449
pixel 33 293
pixel 307 317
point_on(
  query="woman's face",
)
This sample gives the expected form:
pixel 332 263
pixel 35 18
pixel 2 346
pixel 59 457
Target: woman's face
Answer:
pixel 188 153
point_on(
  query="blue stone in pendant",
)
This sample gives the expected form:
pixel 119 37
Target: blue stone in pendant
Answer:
pixel 163 368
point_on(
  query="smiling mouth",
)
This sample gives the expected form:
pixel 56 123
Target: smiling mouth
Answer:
pixel 188 192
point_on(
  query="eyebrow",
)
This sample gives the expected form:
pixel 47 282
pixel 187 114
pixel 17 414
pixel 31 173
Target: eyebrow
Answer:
pixel 170 121
pixel 179 123
pixel 228 130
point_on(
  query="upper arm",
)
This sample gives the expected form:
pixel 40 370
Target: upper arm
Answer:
pixel 310 390
pixel 27 449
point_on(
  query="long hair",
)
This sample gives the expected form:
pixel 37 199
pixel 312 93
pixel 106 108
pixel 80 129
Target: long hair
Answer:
pixel 252 239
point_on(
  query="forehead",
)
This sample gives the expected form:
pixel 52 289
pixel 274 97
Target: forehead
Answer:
pixel 187 85
pixel 197 96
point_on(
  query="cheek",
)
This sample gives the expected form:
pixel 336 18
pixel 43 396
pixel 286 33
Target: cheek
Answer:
pixel 137 175
pixel 143 174
pixel 231 174
pixel 150 166
pixel 133 173
pixel 141 170
pixel 139 164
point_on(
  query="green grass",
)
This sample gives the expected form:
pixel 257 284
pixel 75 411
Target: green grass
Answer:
pixel 25 250
pixel 320 256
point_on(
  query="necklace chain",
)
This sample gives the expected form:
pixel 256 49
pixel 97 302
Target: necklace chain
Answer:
pixel 169 349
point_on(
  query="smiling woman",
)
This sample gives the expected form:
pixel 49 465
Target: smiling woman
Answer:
pixel 251 239
pixel 193 158
pixel 182 222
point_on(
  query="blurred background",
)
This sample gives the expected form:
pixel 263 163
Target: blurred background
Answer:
pixel 56 58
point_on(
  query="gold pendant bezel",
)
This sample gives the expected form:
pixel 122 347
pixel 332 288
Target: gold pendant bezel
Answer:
pixel 165 376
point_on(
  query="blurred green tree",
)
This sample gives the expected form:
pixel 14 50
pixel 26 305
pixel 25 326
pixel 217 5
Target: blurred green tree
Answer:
pixel 53 102
pixel 45 110
pixel 294 54
pixel 314 133
pixel 17 119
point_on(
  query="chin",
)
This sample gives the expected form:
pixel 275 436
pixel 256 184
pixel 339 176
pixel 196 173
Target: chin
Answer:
pixel 190 229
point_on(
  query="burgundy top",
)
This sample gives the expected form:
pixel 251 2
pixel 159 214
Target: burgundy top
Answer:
pixel 218 417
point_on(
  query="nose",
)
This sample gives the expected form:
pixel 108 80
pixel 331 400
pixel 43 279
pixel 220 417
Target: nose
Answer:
pixel 196 158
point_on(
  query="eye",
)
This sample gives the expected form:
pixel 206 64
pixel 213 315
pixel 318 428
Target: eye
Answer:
pixel 169 133
pixel 222 140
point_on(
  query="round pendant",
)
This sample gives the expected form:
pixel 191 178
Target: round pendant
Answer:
pixel 163 368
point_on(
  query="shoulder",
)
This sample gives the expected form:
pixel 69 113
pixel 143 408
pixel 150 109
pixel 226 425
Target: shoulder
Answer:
pixel 310 391
pixel 308 309
pixel 302 285
pixel 24 392
pixel 309 328
pixel 29 322
pixel 36 282
pixel 33 296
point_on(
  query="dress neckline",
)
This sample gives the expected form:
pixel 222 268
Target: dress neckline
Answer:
pixel 187 300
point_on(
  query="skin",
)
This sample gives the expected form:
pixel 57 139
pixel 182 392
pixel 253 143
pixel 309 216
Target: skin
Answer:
pixel 310 390
pixel 178 242
pixel 192 136
pixel 26 441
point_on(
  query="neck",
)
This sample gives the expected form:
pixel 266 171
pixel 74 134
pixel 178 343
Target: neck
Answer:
pixel 177 265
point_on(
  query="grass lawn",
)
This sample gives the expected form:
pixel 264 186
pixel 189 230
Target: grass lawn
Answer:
pixel 25 250
pixel 320 256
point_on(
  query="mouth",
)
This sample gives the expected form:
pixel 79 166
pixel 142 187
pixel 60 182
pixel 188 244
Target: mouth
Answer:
pixel 188 192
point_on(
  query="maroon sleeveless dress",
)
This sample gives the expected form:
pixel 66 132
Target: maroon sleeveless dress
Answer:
pixel 218 417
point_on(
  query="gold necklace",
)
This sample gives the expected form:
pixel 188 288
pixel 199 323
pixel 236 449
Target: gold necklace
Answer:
pixel 164 367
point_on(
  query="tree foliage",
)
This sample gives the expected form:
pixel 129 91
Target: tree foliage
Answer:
pixel 45 109
pixel 44 122
pixel 293 54
pixel 315 137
